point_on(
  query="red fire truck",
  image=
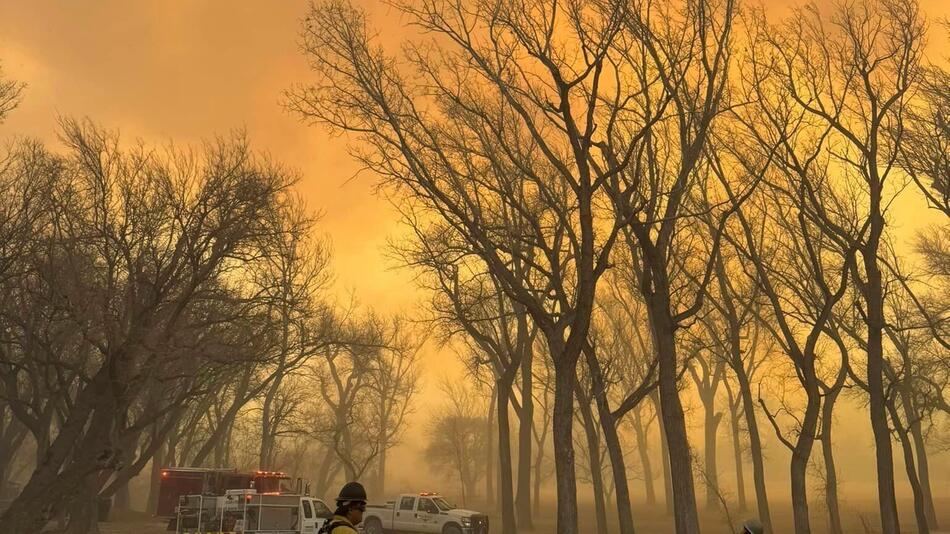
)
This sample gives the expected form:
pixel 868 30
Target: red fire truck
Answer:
pixel 178 481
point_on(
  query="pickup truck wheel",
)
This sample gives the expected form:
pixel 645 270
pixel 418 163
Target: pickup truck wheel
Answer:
pixel 452 529
pixel 373 526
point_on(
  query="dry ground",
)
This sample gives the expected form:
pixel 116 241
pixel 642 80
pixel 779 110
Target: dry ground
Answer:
pixel 648 521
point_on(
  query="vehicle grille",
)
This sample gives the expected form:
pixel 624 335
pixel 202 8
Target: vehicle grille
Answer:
pixel 479 524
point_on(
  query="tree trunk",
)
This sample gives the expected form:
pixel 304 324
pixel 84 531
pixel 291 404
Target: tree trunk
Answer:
pixel 324 475
pixel 11 438
pixel 923 473
pixel 267 433
pixel 664 455
pixel 505 472
pixel 122 498
pixel 184 446
pixel 225 424
pixel 910 467
pixel 734 408
pixel 154 481
pixel 84 509
pixel 563 433
pixel 491 451
pixel 711 427
pixel 525 441
pixel 50 482
pixel 874 297
pixel 596 467
pixel 755 448
pixel 920 451
pixel 799 494
pixel 171 454
pixel 5 462
pixel 831 475
pixel 228 439
pixel 608 423
pixel 470 487
pixel 220 449
pixel 707 385
pixel 619 470
pixel 801 453
pixel 644 450
pixel 346 438
pixel 539 464
pixel 381 471
pixel 681 470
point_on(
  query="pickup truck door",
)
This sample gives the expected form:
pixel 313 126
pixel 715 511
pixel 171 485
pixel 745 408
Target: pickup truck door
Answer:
pixel 309 523
pixel 428 516
pixel 321 512
pixel 404 513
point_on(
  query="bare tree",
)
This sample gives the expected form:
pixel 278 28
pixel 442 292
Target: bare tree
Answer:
pixel 289 281
pixel 11 92
pixel 24 212
pixel 734 402
pixel 708 374
pixel 664 455
pixel 393 383
pixel 733 329
pixel 343 376
pixel 540 429
pixel 131 275
pixel 853 81
pixel 924 152
pixel 591 470
pixel 907 404
pixel 469 302
pixel 913 381
pixel 456 438
pixel 664 188
pixel 623 372
pixel 641 421
pixel 805 276
pixel 472 135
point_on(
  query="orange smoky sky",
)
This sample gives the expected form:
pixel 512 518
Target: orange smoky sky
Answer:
pixel 186 70
pixel 182 70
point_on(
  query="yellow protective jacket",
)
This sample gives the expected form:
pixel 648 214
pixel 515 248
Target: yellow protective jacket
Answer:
pixel 340 525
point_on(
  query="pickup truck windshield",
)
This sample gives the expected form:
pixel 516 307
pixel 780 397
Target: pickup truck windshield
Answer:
pixel 443 504
pixel 322 510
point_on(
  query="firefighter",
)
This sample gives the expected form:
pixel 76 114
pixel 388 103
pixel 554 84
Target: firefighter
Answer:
pixel 350 505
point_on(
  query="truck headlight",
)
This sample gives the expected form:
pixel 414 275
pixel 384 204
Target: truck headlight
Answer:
pixel 466 522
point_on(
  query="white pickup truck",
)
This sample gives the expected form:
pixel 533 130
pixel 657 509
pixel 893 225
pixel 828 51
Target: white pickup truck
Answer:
pixel 422 512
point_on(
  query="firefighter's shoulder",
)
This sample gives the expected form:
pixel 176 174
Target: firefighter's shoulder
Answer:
pixel 338 526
